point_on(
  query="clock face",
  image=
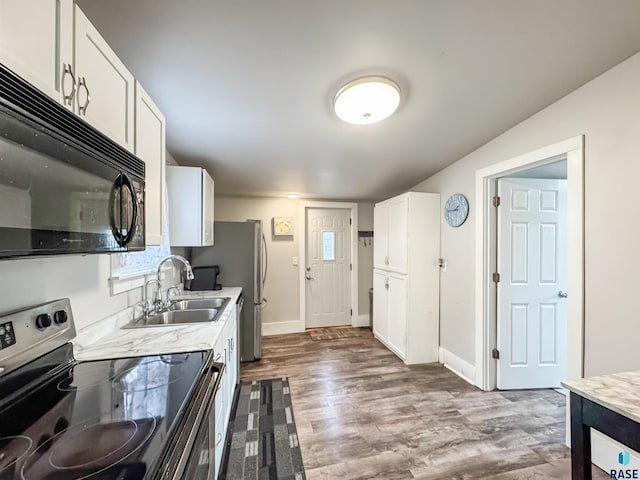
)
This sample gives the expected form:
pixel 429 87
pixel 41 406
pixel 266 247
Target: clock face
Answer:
pixel 456 209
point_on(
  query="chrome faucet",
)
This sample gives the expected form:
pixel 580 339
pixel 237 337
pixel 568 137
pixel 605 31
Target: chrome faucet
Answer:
pixel 188 275
pixel 146 308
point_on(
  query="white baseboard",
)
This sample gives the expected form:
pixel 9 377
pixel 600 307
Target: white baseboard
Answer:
pixel 360 321
pixel 604 453
pixel 282 328
pixel 457 365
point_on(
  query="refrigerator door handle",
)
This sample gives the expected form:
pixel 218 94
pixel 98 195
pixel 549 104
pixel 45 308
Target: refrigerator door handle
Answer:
pixel 266 261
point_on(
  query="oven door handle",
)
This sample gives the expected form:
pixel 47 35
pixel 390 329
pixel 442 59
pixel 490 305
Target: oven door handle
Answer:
pixel 208 404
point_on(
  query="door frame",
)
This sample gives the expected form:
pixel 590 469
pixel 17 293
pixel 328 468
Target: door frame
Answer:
pixel 485 251
pixel 302 247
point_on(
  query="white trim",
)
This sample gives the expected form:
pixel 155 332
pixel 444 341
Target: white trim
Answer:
pixel 463 369
pixel 573 149
pixel 361 321
pixel 302 217
pixel 604 453
pixel 282 328
pixel 121 283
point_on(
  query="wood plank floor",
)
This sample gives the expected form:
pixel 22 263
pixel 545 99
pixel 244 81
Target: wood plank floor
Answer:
pixel 362 414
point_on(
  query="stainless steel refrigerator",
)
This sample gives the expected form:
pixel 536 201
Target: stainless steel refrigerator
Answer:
pixel 240 250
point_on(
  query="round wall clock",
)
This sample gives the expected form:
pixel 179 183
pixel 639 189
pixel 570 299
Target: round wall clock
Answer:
pixel 456 209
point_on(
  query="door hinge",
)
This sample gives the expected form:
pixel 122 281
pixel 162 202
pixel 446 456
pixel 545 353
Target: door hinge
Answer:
pixel 496 278
pixel 495 354
pixel 350 222
pixel 496 201
pixel 351 267
pixel 351 312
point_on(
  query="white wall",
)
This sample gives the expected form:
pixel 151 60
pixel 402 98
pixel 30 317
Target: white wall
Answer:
pixel 365 258
pixel 607 111
pixel 282 287
pixel 84 279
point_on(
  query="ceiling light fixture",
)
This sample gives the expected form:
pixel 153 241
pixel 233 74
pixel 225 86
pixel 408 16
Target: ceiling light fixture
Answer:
pixel 367 100
pixel 292 196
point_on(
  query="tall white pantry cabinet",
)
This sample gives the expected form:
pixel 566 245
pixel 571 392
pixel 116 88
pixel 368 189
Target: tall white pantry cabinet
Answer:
pixel 406 275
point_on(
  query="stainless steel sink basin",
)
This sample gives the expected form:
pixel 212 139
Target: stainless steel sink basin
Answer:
pixel 178 317
pixel 200 303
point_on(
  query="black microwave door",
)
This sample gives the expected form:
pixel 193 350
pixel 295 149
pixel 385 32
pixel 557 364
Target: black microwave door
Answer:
pixel 54 196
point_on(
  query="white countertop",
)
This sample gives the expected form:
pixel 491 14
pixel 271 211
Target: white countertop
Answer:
pixel 106 339
pixel 618 392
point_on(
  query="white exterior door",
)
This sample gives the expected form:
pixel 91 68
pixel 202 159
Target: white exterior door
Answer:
pixel 532 261
pixel 328 269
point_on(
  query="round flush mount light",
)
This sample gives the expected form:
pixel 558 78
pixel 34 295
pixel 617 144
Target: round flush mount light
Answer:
pixel 367 100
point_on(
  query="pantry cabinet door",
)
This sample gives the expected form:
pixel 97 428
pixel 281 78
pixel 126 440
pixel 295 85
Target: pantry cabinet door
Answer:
pixel 36 42
pixel 106 89
pixel 397 235
pixel 397 294
pixel 380 236
pixel 380 305
pixel 150 148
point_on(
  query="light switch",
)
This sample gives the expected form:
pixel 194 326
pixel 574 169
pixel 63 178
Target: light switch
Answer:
pixel 294 261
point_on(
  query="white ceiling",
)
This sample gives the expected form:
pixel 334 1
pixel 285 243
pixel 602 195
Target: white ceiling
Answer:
pixel 247 85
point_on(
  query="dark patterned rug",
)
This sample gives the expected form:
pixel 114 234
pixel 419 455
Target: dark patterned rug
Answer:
pixel 264 440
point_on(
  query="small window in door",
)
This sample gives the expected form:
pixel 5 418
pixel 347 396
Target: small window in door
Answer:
pixel 328 245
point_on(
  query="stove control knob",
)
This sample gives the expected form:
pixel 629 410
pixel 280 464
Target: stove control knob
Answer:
pixel 43 321
pixel 60 317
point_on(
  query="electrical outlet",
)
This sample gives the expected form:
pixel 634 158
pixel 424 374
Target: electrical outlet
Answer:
pixel 294 261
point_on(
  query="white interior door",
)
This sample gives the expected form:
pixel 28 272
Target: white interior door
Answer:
pixel 532 261
pixel 328 269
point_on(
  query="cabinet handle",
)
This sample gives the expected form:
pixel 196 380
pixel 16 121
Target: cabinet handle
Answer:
pixel 386 260
pixel 386 283
pixel 68 99
pixel 82 109
pixel 218 357
pixel 218 438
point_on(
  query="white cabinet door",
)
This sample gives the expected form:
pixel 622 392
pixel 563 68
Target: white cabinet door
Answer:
pixel 190 191
pixel 207 209
pixel 150 148
pixel 380 305
pixel 36 42
pixel 380 239
pixel 397 313
pixel 105 96
pixel 397 235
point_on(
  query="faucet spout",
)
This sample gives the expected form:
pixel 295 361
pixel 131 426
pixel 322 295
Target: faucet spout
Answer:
pixel 187 268
pixel 187 265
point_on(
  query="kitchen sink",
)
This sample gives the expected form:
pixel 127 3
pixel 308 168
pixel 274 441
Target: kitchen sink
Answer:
pixel 199 303
pixel 178 317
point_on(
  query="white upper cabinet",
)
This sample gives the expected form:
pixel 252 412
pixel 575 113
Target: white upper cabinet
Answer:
pixel 36 42
pixel 105 88
pixel 390 227
pixel 190 191
pixel 150 147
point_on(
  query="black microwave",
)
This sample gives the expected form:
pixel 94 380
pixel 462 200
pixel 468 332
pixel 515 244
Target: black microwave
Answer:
pixel 64 186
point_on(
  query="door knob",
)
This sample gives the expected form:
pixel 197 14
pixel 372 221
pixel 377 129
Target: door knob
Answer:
pixel 308 277
pixel 562 294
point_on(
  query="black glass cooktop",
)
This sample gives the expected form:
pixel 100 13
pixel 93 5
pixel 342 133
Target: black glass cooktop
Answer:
pixel 108 419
